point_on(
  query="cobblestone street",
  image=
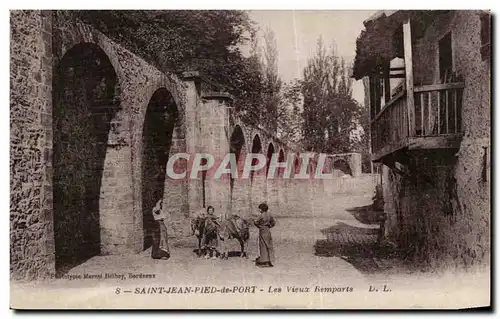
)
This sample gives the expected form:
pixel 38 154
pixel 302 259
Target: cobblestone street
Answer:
pixel 294 238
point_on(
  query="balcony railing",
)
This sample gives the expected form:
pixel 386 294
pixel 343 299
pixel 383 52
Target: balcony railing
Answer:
pixel 435 120
pixel 390 127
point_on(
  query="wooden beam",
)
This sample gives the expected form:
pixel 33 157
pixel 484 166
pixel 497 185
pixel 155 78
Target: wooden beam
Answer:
pixel 409 76
pixel 398 76
pixel 387 83
pixel 371 91
pixel 388 150
pixel 435 142
pixel 439 87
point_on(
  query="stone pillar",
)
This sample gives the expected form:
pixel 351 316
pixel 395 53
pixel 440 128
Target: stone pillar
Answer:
pixel 240 193
pixel 258 190
pixel 192 82
pixel 277 185
pixel 356 164
pixel 175 200
pixel 116 202
pixel 389 204
pixel 214 123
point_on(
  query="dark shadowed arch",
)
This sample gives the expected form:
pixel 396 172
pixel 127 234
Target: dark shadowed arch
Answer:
pixel 85 100
pixel 158 129
pixel 296 164
pixel 237 142
pixel 256 148
pixel 311 165
pixel 327 165
pixel 343 166
pixel 270 152
pixel 281 158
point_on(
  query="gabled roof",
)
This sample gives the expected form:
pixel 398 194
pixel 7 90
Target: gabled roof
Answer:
pixel 379 14
pixel 381 41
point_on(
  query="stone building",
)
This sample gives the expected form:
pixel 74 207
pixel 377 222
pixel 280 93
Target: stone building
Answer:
pixel 92 129
pixel 430 128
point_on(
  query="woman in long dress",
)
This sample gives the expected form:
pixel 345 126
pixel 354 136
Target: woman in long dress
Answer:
pixel 160 249
pixel 265 222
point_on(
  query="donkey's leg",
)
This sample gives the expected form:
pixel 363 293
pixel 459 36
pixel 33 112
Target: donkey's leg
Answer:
pixel 222 248
pixel 243 251
pixel 223 240
pixel 199 247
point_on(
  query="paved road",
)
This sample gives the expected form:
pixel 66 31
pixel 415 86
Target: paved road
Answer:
pixel 296 264
pixel 294 237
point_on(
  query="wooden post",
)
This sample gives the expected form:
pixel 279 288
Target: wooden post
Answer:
pixel 387 83
pixel 410 99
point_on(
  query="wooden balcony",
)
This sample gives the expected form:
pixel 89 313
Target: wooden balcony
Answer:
pixel 433 122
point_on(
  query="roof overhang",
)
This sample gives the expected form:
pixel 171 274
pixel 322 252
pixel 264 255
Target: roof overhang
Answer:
pixel 382 39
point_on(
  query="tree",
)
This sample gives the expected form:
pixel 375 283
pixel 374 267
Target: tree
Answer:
pixel 251 99
pixel 289 119
pixel 272 81
pixel 331 115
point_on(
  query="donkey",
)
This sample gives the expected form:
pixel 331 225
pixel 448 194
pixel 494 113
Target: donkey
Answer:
pixel 237 228
pixel 234 227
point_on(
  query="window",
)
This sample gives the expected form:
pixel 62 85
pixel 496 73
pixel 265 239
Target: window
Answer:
pixel 445 58
pixel 485 36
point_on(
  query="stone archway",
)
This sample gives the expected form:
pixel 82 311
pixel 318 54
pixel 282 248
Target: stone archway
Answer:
pixel 296 165
pixel 157 136
pixel 341 166
pixel 269 154
pixel 257 192
pixel 271 195
pixel 281 158
pixel 237 195
pixel 237 143
pixel 85 102
pixel 256 148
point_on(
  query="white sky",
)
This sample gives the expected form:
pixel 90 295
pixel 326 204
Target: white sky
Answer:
pixel 297 32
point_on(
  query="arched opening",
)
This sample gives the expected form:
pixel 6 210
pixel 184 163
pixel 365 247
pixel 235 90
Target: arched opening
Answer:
pixel 237 141
pixel 270 152
pixel 341 167
pixel 296 164
pixel 85 101
pixel 327 165
pixel 256 148
pixel 281 158
pixel 158 129
pixel 311 166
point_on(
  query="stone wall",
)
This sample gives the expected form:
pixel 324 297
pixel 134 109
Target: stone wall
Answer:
pixel 122 185
pixel 443 216
pixel 109 164
pixel 213 140
pixel 45 45
pixel 31 228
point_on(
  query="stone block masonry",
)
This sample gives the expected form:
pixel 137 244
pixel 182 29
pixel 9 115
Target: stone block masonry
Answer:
pixel 31 144
pixel 85 172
